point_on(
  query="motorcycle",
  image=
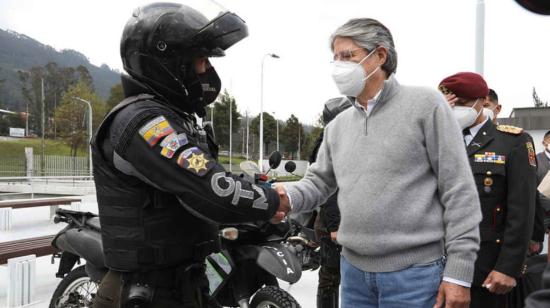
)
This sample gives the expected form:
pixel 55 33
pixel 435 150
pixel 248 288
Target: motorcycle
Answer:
pixel 243 274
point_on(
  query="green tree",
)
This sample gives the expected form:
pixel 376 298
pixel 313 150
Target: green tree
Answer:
pixel 537 100
pixel 293 132
pixel 310 141
pixel 31 89
pixel 84 76
pixel 116 96
pixel 221 119
pixel 71 116
pixel 270 131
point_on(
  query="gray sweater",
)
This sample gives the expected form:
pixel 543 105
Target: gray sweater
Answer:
pixel 406 191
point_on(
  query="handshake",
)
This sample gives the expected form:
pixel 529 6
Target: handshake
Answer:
pixel 284 205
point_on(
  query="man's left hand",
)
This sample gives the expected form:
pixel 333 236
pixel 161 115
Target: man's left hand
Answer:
pixel 534 248
pixel 499 283
pixel 451 295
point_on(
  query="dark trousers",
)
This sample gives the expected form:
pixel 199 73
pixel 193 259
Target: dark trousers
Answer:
pixel 329 272
pixel 482 298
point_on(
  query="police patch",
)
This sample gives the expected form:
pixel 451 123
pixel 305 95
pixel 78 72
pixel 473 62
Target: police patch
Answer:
pixel 195 161
pixel 155 129
pixel 531 154
pixel 172 143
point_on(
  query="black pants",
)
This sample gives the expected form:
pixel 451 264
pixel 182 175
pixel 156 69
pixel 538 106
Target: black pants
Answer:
pixel 194 294
pixel 329 272
pixel 482 298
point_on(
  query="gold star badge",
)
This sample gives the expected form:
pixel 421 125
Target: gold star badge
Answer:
pixel 197 162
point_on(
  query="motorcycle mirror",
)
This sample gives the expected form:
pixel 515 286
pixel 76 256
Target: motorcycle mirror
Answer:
pixel 275 159
pixel 290 166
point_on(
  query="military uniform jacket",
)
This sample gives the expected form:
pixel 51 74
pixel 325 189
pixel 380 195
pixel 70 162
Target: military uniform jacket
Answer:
pixel 504 167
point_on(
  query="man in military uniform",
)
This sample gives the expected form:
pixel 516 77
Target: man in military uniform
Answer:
pixel 504 167
pixel 327 223
pixel 492 108
pixel 160 190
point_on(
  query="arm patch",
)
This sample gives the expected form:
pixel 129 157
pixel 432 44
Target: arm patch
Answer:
pixel 196 161
pixel 155 129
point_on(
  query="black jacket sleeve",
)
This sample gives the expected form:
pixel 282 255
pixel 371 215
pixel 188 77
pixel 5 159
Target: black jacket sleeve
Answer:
pixel 521 194
pixel 331 213
pixel 538 225
pixel 185 168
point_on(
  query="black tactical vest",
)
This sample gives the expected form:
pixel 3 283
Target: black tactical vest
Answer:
pixel 143 228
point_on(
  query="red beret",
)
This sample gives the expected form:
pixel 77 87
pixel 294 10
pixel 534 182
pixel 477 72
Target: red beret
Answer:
pixel 465 85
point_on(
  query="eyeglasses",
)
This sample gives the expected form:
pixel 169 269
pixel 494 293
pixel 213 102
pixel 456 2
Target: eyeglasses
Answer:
pixel 346 55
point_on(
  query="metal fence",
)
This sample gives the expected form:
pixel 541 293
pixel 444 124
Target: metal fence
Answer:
pixel 13 166
pixel 54 165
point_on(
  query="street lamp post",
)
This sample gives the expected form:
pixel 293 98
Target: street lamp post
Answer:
pixel 89 129
pixel 261 145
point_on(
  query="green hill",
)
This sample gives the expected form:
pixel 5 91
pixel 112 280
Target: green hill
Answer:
pixel 20 52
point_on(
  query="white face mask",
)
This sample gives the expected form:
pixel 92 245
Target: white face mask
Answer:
pixel 466 116
pixel 489 113
pixel 350 77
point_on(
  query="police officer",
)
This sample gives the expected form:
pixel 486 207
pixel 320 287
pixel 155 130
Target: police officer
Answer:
pixel 504 167
pixel 159 187
pixel 327 223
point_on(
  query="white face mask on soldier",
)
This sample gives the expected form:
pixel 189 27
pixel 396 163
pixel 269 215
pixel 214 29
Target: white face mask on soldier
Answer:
pixel 466 116
pixel 489 113
pixel 350 77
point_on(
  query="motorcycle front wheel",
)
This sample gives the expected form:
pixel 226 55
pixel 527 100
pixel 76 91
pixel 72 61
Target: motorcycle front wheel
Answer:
pixel 273 297
pixel 75 290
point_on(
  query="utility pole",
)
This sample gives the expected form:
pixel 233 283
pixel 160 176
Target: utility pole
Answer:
pixel 247 125
pixel 299 141
pixel 42 158
pixel 230 133
pixel 480 36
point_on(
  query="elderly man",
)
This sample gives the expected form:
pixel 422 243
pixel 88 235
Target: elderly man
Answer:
pixel 504 166
pixel 409 208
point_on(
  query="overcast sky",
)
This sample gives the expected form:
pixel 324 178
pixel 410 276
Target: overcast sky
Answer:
pixel 433 38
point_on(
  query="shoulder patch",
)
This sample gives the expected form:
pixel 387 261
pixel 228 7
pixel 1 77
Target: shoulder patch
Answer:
pixel 172 143
pixel 155 129
pixel 531 154
pixel 195 161
pixel 510 129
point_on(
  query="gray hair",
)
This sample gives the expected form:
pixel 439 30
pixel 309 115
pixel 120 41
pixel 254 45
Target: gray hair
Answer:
pixel 369 34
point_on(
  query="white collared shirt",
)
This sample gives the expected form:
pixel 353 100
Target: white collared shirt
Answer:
pixel 370 103
pixel 473 131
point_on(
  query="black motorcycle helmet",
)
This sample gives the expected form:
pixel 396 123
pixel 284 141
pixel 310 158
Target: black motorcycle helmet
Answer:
pixel 161 42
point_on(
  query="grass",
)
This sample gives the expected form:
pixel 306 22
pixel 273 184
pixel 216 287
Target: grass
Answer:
pixel 290 178
pixel 16 147
pixel 235 160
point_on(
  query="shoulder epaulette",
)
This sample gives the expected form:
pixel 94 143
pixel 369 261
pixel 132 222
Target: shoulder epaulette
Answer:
pixel 510 129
